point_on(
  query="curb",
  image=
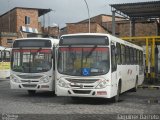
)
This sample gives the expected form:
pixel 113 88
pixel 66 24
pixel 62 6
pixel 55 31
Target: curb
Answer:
pixel 149 87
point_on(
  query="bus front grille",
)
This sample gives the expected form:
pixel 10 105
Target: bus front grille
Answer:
pixel 29 85
pixel 29 76
pixel 82 86
pixel 29 81
pixel 82 80
pixel 82 91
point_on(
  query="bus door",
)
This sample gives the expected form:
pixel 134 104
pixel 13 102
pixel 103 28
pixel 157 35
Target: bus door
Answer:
pixel 113 64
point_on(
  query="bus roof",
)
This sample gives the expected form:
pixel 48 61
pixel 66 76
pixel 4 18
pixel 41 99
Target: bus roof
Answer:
pixel 113 38
pixel 53 40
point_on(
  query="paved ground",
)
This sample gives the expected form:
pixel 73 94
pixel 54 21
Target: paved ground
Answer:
pixel 45 105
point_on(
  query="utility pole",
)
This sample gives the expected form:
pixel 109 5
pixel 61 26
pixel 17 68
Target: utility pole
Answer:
pixel 89 22
pixel 9 16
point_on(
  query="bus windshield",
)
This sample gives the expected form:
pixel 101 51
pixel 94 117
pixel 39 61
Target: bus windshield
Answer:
pixel 84 61
pixel 31 60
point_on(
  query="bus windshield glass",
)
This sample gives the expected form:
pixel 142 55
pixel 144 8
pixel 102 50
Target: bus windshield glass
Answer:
pixel 86 61
pixel 31 60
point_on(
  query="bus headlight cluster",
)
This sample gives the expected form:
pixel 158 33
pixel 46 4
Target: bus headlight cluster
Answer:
pixel 44 79
pixel 102 84
pixel 62 83
pixel 14 79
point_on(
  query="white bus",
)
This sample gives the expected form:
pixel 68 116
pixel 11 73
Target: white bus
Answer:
pixel 97 65
pixel 4 62
pixel 32 64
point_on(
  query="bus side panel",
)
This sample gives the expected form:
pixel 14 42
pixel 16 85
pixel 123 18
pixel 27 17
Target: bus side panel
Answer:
pixel 127 74
pixel 122 70
pixel 114 84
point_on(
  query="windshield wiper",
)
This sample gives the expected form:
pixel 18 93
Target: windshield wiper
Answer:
pixel 90 53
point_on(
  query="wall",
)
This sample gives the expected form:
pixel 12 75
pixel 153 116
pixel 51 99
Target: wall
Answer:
pixel 83 28
pixel 108 18
pixel 8 22
pixel 21 13
pixel 103 24
pixel 100 29
pixel 100 23
pixel 141 29
pixel 4 36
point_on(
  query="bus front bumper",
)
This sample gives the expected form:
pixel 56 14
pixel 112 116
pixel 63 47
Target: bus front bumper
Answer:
pixel 32 86
pixel 101 93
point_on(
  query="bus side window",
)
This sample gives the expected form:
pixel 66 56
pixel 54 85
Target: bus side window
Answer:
pixel 131 56
pixel 135 56
pixel 123 54
pixel 113 58
pixel 53 57
pixel 0 56
pixel 127 55
pixel 118 56
pixel 7 56
pixel 3 55
pixel 141 58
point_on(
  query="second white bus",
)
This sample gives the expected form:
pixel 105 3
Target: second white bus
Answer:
pixel 97 65
pixel 4 62
pixel 32 64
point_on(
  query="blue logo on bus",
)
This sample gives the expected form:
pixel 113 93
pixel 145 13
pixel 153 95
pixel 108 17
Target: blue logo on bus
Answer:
pixel 86 71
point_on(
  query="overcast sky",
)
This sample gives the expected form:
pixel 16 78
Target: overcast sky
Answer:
pixel 66 11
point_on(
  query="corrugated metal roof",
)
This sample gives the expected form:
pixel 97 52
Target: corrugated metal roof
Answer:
pixel 140 9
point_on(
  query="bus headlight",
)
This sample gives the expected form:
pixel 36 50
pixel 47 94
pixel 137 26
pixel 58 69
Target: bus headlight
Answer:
pixel 14 79
pixel 102 84
pixel 62 83
pixel 44 79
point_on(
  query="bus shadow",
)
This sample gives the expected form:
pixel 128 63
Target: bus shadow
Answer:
pixel 93 101
pixel 39 95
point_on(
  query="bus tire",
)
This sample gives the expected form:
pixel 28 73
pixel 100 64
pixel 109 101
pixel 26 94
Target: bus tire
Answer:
pixel 116 98
pixel 136 86
pixel 31 92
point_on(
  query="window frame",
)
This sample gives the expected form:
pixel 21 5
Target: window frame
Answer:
pixel 27 20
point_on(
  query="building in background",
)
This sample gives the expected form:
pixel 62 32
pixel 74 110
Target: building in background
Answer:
pixel 19 21
pixel 99 24
pixel 103 24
